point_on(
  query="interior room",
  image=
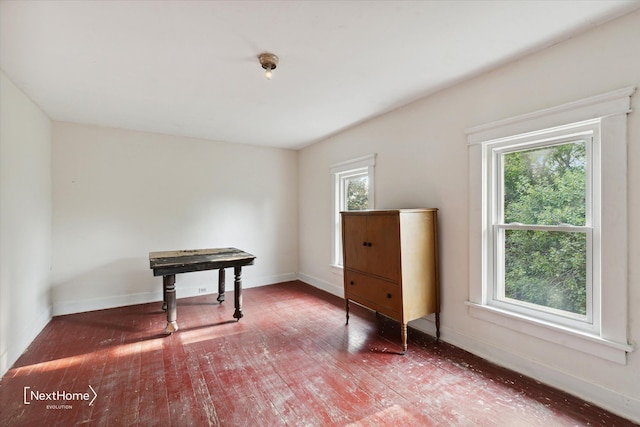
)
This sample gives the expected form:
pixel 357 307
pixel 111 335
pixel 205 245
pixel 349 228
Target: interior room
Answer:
pixel 134 127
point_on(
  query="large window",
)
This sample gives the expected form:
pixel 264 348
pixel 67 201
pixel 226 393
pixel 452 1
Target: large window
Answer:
pixel 548 224
pixel 543 225
pixel 352 191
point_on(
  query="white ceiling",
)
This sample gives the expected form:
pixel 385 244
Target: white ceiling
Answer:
pixel 190 67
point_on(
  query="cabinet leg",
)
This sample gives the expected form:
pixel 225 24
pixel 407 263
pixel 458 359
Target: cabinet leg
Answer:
pixel 437 326
pixel 404 338
pixel 347 306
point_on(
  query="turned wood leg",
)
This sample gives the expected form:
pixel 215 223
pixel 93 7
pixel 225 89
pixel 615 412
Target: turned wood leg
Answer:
pixel 347 306
pixel 169 284
pixel 221 285
pixel 237 292
pixel 404 338
pixel 164 295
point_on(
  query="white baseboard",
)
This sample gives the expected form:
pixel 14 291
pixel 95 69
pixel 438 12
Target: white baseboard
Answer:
pixel 29 332
pixel 61 308
pixel 269 280
pixel 425 324
pixel 611 400
pixel 322 284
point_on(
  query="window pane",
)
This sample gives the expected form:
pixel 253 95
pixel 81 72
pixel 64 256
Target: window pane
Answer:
pixel 546 268
pixel 546 186
pixel 357 194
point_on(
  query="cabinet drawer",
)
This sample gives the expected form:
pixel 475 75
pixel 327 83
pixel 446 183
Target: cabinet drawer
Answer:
pixel 377 294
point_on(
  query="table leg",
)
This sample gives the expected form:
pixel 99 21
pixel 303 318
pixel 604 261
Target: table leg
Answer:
pixel 221 285
pixel 169 285
pixel 237 292
pixel 164 296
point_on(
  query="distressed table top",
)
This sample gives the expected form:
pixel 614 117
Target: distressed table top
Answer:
pixel 184 261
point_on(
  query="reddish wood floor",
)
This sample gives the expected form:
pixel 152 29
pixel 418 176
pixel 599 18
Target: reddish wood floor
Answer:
pixel 290 361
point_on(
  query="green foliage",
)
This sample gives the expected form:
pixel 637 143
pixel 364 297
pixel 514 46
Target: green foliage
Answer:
pixel 546 186
pixel 546 268
pixel 357 194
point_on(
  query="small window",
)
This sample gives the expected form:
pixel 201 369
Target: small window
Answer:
pixel 352 191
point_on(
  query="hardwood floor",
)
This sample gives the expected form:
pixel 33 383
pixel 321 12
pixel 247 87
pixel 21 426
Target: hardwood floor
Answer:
pixel 290 361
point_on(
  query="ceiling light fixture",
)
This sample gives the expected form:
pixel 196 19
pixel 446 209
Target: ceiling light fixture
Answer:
pixel 269 61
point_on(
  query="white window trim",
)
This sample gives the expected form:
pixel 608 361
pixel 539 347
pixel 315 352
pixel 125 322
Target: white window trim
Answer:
pixel 337 171
pixel 611 109
pixel 590 133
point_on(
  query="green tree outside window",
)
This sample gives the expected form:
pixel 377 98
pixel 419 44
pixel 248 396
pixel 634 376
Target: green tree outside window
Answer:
pixel 546 186
pixel 357 193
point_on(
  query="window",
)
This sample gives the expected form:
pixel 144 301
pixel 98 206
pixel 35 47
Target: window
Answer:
pixel 543 225
pixel 548 218
pixel 352 190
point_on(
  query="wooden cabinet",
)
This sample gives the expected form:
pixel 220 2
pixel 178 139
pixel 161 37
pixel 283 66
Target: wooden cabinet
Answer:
pixel 391 263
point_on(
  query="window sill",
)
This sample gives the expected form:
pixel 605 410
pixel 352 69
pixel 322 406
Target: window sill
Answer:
pixel 581 341
pixel 337 269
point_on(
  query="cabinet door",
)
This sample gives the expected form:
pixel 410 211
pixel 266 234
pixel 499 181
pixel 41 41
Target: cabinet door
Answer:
pixel 383 233
pixel 354 237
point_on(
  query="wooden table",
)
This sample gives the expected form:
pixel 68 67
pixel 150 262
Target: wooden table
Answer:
pixel 169 263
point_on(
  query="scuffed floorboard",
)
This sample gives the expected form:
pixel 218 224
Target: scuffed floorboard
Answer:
pixel 291 361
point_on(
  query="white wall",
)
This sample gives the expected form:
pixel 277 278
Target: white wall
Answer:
pixel 120 194
pixel 25 221
pixel 422 161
